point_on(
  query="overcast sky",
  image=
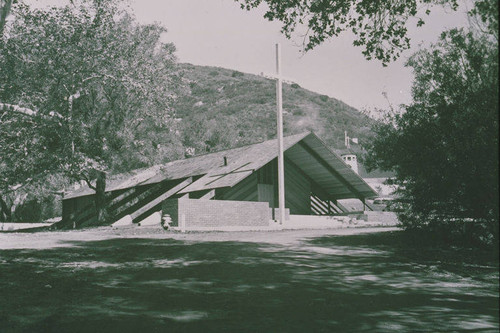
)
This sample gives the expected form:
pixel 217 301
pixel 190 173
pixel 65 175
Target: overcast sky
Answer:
pixel 219 33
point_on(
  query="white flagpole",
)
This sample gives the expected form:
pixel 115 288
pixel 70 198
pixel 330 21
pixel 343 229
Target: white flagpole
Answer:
pixel 279 111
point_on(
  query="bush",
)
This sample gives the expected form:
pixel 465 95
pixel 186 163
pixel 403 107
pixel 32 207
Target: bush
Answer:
pixel 261 100
pixel 295 86
pixel 28 211
pixel 323 98
pixel 444 146
pixel 298 112
pixel 465 232
pixel 237 74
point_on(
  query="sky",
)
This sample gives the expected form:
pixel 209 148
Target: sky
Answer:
pixel 219 33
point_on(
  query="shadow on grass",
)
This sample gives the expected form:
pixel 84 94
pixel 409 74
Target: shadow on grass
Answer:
pixel 361 283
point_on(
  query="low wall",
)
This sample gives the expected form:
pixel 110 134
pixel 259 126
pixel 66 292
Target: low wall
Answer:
pixel 387 218
pixel 275 213
pixel 6 226
pixel 200 214
pixel 316 222
pixel 340 222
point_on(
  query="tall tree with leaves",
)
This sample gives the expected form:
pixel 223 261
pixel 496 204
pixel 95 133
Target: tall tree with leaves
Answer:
pixel 77 83
pixel 444 146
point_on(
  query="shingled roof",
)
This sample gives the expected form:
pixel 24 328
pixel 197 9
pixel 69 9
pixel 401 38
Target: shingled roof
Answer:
pixel 305 150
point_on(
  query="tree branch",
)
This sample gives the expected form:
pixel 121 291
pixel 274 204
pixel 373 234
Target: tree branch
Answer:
pixel 4 107
pixel 89 183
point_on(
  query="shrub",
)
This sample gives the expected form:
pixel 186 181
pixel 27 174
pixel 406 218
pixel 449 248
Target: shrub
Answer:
pixel 261 100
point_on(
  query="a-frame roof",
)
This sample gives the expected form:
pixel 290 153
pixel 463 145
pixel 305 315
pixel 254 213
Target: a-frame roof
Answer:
pixel 305 150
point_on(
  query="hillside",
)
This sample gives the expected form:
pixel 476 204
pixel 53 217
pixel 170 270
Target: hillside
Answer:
pixel 223 108
pixel 217 109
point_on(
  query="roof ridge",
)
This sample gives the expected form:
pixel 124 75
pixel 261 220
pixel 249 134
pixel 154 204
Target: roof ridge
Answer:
pixel 163 167
pixel 242 146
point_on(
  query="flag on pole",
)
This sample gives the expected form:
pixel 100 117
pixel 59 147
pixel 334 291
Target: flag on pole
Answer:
pixel 348 140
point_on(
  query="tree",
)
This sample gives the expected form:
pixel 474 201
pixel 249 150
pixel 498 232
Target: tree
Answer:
pixel 79 85
pixel 444 146
pixel 381 27
pixel 5 6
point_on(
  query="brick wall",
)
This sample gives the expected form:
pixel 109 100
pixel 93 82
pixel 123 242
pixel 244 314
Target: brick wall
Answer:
pixel 217 213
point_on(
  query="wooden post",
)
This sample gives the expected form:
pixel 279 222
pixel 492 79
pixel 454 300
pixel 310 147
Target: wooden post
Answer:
pixel 279 111
pixel 100 198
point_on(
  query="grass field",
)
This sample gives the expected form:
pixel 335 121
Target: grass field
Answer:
pixel 297 281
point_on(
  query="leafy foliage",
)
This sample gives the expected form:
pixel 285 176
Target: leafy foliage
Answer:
pixel 380 26
pixel 101 86
pixel 444 147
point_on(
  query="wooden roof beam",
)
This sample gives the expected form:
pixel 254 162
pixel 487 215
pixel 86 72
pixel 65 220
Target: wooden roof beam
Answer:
pixel 157 200
pixel 331 170
pixel 309 179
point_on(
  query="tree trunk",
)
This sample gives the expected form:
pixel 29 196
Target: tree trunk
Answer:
pixel 5 211
pixel 101 204
pixel 4 12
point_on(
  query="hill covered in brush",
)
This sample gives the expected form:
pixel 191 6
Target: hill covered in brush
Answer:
pixel 221 108
pixel 214 109
pixel 125 104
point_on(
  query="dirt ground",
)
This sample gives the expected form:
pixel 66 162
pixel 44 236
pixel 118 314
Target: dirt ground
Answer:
pixel 51 239
pixel 144 279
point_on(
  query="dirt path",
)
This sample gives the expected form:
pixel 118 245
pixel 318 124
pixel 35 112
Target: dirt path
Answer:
pixel 51 239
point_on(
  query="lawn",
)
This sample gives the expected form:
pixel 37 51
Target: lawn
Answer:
pixel 310 281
